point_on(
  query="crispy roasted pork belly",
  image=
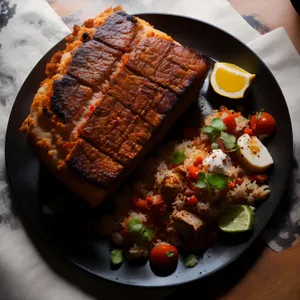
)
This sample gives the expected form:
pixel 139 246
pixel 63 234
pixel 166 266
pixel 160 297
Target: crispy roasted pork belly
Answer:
pixel 108 99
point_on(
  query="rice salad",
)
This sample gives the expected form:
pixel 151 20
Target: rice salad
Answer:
pixel 184 190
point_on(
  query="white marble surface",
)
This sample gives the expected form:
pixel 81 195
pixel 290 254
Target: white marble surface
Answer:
pixel 27 30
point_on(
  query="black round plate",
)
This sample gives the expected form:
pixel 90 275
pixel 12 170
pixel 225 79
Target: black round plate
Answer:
pixel 33 186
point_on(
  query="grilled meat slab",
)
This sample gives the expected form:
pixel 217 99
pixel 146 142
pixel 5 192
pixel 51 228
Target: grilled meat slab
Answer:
pixel 108 99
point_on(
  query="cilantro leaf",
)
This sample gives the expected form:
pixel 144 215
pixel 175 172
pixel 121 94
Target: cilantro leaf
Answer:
pixel 147 234
pixel 169 254
pixel 201 183
pixel 218 124
pixel 229 140
pixel 214 129
pixel 116 256
pixel 214 146
pixel 217 181
pixel 177 157
pixel 191 261
pixel 211 132
pixel 134 225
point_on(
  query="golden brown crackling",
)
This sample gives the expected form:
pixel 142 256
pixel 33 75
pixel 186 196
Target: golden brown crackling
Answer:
pixel 69 98
pixel 150 101
pixel 167 63
pixel 93 165
pixel 118 31
pixel 93 62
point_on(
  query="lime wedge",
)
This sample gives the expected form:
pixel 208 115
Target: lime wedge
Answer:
pixel 239 218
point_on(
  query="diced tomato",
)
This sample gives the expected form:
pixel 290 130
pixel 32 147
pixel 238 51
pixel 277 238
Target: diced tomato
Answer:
pixel 193 171
pixel 258 178
pixel 192 200
pixel 248 130
pixel 140 204
pixel 190 133
pixel 157 202
pixel 231 185
pixel 198 161
pixel 239 181
pixel 230 123
pixel 149 200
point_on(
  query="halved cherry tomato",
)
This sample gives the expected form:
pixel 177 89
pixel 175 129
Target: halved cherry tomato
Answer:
pixel 139 203
pixel 239 181
pixel 194 171
pixel 192 200
pixel 231 185
pixel 190 133
pixel 198 161
pixel 230 123
pixel 248 130
pixel 263 123
pixel 163 256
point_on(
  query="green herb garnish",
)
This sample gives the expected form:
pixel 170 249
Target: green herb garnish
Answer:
pixel 212 181
pixel 144 233
pixel 216 126
pixel 134 225
pixel 229 140
pixel 214 146
pixel 147 234
pixel 191 261
pixel 258 115
pixel 170 254
pixel 116 256
pixel 177 157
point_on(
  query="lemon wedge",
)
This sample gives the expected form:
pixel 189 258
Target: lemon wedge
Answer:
pixel 230 80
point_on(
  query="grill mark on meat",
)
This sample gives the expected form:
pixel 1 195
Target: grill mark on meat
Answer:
pixel 118 31
pixel 167 63
pixel 114 129
pixel 69 98
pixel 93 62
pixel 141 96
pixel 93 165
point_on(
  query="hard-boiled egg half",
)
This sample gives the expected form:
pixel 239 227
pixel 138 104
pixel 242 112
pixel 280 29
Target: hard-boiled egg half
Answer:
pixel 253 154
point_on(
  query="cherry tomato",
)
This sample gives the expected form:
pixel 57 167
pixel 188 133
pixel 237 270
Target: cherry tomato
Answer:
pixel 192 200
pixel 198 161
pixel 248 131
pixel 140 204
pixel 163 256
pixel 230 123
pixel 194 171
pixel 262 123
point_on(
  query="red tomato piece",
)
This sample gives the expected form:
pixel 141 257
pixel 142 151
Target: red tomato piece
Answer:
pixel 163 256
pixel 157 202
pixel 239 181
pixel 231 185
pixel 140 204
pixel 192 200
pixel 263 123
pixel 198 161
pixel 193 171
pixel 248 130
pixel 230 123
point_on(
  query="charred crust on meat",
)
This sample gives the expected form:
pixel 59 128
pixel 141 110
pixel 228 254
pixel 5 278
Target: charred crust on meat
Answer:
pixel 46 112
pixel 85 37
